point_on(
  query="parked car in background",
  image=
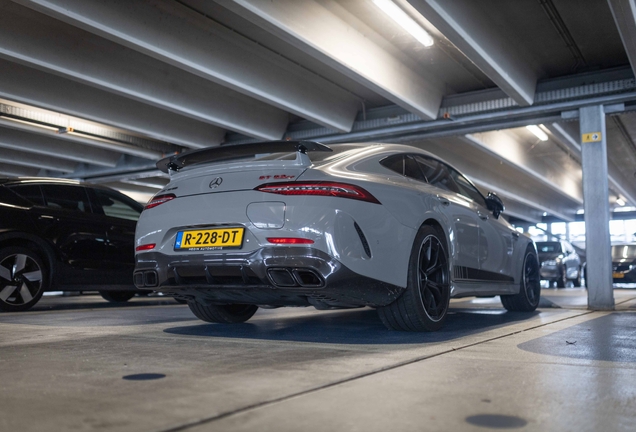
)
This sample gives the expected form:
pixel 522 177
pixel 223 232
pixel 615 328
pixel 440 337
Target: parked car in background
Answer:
pixel 349 225
pixel 559 263
pixel 624 263
pixel 60 235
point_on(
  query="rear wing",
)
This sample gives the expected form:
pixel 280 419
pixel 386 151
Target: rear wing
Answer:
pixel 223 153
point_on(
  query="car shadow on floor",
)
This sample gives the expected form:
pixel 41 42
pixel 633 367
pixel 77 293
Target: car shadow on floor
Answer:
pixel 360 326
pixel 62 303
pixel 92 311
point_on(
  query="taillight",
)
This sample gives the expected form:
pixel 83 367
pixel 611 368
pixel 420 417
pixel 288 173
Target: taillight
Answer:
pixel 319 188
pixel 289 240
pixel 158 200
pixel 145 247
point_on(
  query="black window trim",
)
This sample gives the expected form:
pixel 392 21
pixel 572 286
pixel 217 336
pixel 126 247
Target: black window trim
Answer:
pixel 404 155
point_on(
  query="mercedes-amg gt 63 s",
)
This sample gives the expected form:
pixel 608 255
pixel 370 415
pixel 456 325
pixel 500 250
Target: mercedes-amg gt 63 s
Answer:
pixel 300 223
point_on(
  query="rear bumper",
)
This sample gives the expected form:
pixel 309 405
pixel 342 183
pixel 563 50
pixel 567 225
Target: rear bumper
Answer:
pixel 549 272
pixel 625 277
pixel 274 276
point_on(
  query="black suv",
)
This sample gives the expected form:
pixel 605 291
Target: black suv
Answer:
pixel 62 235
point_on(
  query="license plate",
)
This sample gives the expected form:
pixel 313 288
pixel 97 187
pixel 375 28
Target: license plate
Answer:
pixel 616 275
pixel 210 239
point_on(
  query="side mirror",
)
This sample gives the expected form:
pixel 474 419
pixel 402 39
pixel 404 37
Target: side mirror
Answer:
pixel 495 204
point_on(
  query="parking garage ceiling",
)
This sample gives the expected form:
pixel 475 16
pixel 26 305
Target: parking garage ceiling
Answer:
pixel 101 90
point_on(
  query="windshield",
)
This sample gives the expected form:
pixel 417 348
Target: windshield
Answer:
pixel 549 247
pixel 623 252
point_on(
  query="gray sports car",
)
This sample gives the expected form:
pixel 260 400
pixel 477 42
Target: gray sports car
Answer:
pixel 297 223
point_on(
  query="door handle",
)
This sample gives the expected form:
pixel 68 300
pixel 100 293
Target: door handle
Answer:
pixel 48 218
pixel 515 235
pixel 482 216
pixel 443 200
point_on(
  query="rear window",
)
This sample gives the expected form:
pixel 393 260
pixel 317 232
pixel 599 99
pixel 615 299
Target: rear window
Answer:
pixel 30 192
pixel 66 197
pixel 119 206
pixel 9 197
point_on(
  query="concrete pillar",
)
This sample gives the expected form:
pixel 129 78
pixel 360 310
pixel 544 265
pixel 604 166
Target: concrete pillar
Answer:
pixel 600 294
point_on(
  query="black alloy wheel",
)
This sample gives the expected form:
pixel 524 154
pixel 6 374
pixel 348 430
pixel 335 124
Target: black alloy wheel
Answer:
pixel 424 304
pixel 23 279
pixel 433 278
pixel 530 288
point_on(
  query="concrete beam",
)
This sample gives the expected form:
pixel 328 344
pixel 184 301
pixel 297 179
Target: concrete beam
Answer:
pixel 33 87
pixel 38 41
pixel 175 34
pixel 567 134
pixel 515 153
pixel 74 138
pixel 150 182
pixel 38 161
pixel 38 144
pixel 466 24
pixel 130 187
pixel 624 13
pixel 520 210
pixel 17 171
pixel 491 173
pixel 315 28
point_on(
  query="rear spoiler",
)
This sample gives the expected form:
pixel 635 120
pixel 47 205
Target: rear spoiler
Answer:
pixel 217 154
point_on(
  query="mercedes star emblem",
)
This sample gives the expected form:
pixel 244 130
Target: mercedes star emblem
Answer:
pixel 216 182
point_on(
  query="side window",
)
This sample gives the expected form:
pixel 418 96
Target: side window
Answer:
pixel 29 192
pixel 118 206
pixel 467 189
pixel 437 174
pixel 72 198
pixel 394 163
pixel 412 169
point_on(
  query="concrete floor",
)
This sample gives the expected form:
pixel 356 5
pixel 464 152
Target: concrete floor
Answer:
pixel 82 364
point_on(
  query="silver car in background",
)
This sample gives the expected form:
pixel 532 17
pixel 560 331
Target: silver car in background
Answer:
pixel 559 263
pixel 300 223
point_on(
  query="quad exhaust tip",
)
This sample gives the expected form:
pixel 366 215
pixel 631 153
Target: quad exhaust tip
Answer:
pixel 146 279
pixel 293 277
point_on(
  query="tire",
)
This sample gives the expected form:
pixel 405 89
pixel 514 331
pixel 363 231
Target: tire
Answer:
pixel 562 279
pixel 423 306
pixel 117 296
pixel 23 279
pixel 224 314
pixel 530 290
pixel 577 280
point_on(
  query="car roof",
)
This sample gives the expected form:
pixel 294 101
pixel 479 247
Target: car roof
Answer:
pixel 20 180
pixel 52 181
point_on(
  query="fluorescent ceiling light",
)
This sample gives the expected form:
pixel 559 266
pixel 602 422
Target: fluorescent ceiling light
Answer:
pixel 537 132
pixel 620 202
pixel 405 21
